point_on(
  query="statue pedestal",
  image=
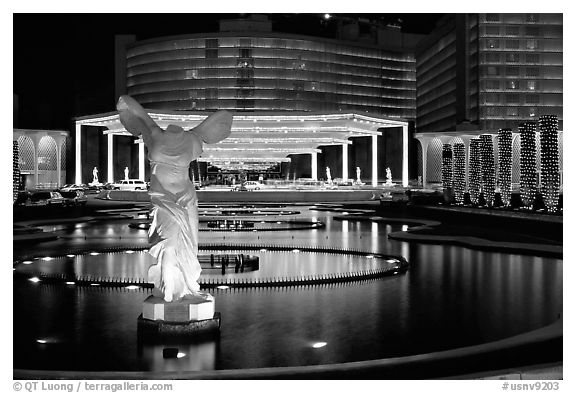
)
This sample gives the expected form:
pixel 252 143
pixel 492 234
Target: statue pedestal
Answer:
pixel 189 317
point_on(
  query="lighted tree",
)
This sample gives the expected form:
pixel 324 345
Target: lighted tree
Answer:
pixel 475 180
pixel 447 165
pixel 505 164
pixel 549 161
pixel 459 171
pixel 488 168
pixel 528 163
pixel 15 171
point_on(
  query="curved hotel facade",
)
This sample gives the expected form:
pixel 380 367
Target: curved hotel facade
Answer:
pixel 274 72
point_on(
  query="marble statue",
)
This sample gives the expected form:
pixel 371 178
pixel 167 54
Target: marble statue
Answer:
pixel 126 172
pixel 174 230
pixel 95 175
pixel 328 175
pixel 388 177
pixel 358 174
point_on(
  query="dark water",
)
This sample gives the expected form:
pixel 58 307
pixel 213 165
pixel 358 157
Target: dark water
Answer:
pixel 451 297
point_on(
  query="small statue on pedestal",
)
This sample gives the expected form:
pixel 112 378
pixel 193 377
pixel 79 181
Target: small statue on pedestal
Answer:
pixel 95 176
pixel 389 177
pixel 126 173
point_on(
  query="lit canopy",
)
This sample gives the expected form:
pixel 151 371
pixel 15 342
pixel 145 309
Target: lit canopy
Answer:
pixel 263 138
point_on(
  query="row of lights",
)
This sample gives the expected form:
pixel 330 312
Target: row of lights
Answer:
pixel 488 168
pixel 459 172
pixel 549 161
pixel 505 164
pixel 528 176
pixel 475 171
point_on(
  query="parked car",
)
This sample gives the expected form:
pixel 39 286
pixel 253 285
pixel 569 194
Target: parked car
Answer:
pixel 73 187
pixel 248 186
pixel 45 198
pixel 22 198
pixel 74 198
pixel 130 185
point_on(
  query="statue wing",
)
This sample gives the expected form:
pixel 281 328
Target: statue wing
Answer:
pixel 136 120
pixel 215 127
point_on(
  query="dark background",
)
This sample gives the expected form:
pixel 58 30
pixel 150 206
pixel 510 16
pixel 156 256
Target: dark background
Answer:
pixel 64 63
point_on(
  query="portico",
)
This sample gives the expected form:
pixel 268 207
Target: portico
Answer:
pixel 261 140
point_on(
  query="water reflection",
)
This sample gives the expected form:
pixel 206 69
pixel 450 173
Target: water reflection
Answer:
pixel 450 297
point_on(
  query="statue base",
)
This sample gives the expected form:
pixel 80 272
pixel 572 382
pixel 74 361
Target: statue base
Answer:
pixel 191 316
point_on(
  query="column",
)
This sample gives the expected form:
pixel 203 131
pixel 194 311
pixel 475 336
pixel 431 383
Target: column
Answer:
pixel 314 157
pixel 110 158
pixel 345 161
pixel 141 160
pixel 36 140
pixel 466 139
pixel 424 142
pixel 405 155
pixel 78 151
pixel 374 160
pixel 58 141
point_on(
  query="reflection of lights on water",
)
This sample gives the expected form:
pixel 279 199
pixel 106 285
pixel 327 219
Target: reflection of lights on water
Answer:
pixel 70 255
pixel 94 253
pixel 34 279
pixel 27 262
pixel 295 250
pixel 319 344
pixel 180 355
pixel 132 287
pixel 392 261
pixel 222 287
pixel 263 249
pixel 95 285
pixel 129 251
pixel 70 283
pixel 47 259
pixel 41 341
pixel 278 222
pixel 370 256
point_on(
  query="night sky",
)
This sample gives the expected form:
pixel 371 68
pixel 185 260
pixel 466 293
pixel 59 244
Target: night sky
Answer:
pixel 64 63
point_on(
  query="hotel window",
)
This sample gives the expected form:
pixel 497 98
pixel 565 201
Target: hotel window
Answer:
pixel 211 53
pixel 512 57
pixel 512 71
pixel 532 112
pixel 532 58
pixel 532 31
pixel 512 98
pixel 511 84
pixel 492 98
pixel 491 70
pixel 532 98
pixel 245 52
pixel 492 44
pixel 512 111
pixel 512 44
pixel 532 18
pixel 211 43
pixel 493 84
pixel 493 57
pixel 493 30
pixel 492 17
pixel 492 112
pixel 512 30
pixel 211 94
pixel 531 44
pixel 532 71
pixel 191 74
pixel 245 42
pixel 531 85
